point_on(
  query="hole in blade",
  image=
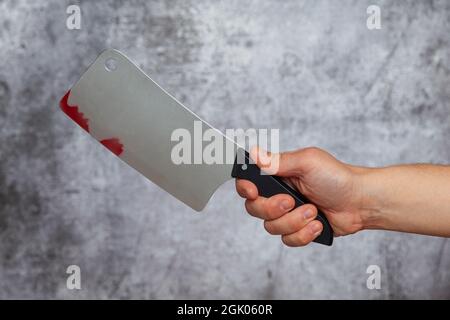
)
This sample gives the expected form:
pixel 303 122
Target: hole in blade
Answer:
pixel 110 64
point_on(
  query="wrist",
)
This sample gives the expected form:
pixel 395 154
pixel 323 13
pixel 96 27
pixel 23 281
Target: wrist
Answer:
pixel 373 201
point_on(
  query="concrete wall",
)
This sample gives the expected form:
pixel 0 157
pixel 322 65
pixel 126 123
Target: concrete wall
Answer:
pixel 310 68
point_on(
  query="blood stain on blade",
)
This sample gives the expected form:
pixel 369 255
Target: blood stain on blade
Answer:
pixel 113 144
pixel 73 112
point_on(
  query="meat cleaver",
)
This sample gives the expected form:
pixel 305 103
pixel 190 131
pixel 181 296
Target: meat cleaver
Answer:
pixel 132 116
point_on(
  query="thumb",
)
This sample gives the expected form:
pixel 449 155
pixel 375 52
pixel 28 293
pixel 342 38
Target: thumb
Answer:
pixel 281 164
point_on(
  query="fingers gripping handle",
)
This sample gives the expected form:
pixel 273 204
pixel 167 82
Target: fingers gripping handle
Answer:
pixel 269 186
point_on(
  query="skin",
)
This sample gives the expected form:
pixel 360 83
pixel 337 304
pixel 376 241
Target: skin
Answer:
pixel 405 198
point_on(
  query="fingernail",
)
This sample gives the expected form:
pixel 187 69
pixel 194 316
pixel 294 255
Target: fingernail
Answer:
pixel 285 205
pixel 308 214
pixel 316 228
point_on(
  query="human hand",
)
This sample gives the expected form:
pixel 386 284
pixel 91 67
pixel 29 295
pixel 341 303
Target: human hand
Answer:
pixel 334 187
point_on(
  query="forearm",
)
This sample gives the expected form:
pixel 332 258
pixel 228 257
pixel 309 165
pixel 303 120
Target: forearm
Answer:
pixel 410 198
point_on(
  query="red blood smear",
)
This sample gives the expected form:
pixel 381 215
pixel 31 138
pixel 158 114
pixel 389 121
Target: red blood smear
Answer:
pixel 114 145
pixel 73 112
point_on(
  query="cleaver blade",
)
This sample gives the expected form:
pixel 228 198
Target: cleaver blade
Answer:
pixel 132 116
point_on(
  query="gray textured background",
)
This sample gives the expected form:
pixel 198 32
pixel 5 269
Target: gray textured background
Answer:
pixel 310 68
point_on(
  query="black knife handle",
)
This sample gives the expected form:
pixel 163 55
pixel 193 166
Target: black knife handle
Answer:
pixel 271 185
